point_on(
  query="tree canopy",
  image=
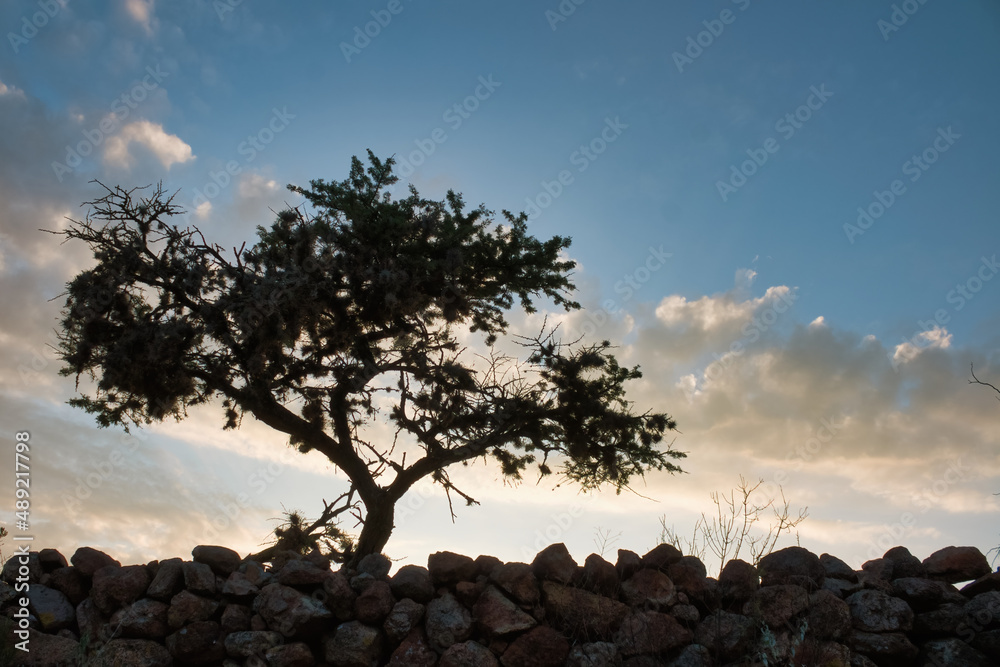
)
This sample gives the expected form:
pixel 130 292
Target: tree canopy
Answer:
pixel 346 311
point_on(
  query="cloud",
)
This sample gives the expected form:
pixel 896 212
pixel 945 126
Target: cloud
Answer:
pixel 169 149
pixel 10 90
pixel 935 338
pixel 142 12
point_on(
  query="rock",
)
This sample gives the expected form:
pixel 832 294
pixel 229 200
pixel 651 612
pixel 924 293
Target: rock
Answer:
pixel 738 581
pixel 339 596
pixel 90 620
pixel 197 644
pixel 884 648
pixel 290 612
pixel 69 582
pixel 51 560
pixel 447 568
pixel 650 632
pixel 693 655
pixel 729 636
pixel 945 620
pixel 255 573
pixel 115 586
pixel 186 607
pixel 413 652
pixel 143 619
pixel 301 573
pixel 222 560
pixel 468 654
pixel 661 557
pixel 88 561
pixel 405 616
pixel 987 582
pixel 649 588
pixel 880 568
pixel 593 654
pixel 353 644
pixel 986 642
pixel 687 614
pixel 874 580
pixel 983 611
pixel 955 564
pixel 777 605
pixel 414 582
pixel 11 569
pixel 236 618
pixel 169 580
pixel 791 565
pixel 239 588
pixel 599 576
pixel 628 563
pixel 246 644
pixel 841 587
pixel 376 565
pixel 374 604
pixel 829 617
pixel 446 622
pixel 498 616
pixel 46 651
pixel 199 578
pixel 920 594
pixel 360 582
pixel 874 611
pixel 519 581
pixel 582 613
pixel 539 647
pixel 132 653
pixel 51 607
pixel 553 563
pixel 486 564
pixel 689 576
pixel 952 652
pixel 837 569
pixel 904 564
pixel 296 654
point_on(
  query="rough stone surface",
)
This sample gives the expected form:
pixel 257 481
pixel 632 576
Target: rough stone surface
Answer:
pixel 874 611
pixel 143 619
pixel 904 564
pixel 377 565
pixel 447 622
pixel 413 651
pixel 186 607
pixel 88 561
pixel 955 564
pixel 133 653
pixel 405 616
pixel 729 636
pixel 301 573
pixel 539 647
pixel 738 581
pixel 246 644
pixel 374 604
pixel 296 654
pixel 197 644
pixel 69 582
pixel 51 560
pixel 519 581
pixel 628 563
pixel 447 568
pixel 414 582
pixel 498 616
pixel 650 632
pixel 51 608
pixel 222 560
pixel 199 578
pixel 468 654
pixel 553 563
pixel 649 588
pixel 339 596
pixel 599 576
pixel 353 644
pixel 582 613
pixel 884 648
pixel 168 581
pixel 775 606
pixel 953 652
pixel 829 617
pixel 791 565
pixel 115 586
pixel 661 557
pixel 239 588
pixel 836 568
pixel 290 612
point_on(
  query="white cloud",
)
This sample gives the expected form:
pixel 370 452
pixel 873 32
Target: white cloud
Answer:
pixel 203 209
pixel 142 12
pixel 937 338
pixel 169 149
pixel 10 90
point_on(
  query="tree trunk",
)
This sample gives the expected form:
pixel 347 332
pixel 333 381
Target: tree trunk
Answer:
pixel 377 528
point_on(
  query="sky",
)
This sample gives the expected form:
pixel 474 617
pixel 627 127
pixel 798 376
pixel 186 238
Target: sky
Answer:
pixel 785 213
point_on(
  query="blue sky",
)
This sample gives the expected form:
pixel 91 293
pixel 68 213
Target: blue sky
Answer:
pixel 642 110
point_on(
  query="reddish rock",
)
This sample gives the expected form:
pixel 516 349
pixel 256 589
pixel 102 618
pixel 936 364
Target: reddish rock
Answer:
pixel 301 573
pixel 948 619
pixel 539 647
pixel 738 581
pixel 904 564
pixel 51 560
pixel 290 612
pixel 46 651
pixel 792 565
pixel 628 563
pixel 51 608
pixel 447 622
pixel 777 605
pixel 186 607
pixel 197 644
pixel 955 564
pixel 837 569
pixel 88 561
pixel 953 652
pixel 169 580
pixel 661 557
pixel 374 604
pixel 250 643
pixel 236 618
pixel 90 620
pixel 582 613
pixel 645 632
pixel 498 616
pixel 11 569
pixel 69 582
pixel 920 594
pixel 132 653
pixel 414 582
pixel 649 588
pixel 486 564
pixel 985 583
pixel 518 580
pixel 222 560
pixel 593 654
pixel 729 636
pixel 468 654
pixel 447 568
pixel 239 588
pixel 414 651
pixel 143 619
pixel 468 592
pixel 689 576
pixel 377 565
pixel 599 576
pixel 339 596
pixel 874 611
pixel 353 644
pixel 116 586
pixel 296 654
pixel 829 617
pixel 553 563
pixel 880 568
pixel 887 649
pixel 199 578
pixel 405 616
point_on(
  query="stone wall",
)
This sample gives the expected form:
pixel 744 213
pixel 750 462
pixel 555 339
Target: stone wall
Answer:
pixel 657 609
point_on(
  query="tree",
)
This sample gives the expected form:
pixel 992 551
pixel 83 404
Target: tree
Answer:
pixel 976 380
pixel 338 318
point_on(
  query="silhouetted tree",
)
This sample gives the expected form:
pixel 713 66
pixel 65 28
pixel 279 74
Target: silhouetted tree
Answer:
pixel 336 316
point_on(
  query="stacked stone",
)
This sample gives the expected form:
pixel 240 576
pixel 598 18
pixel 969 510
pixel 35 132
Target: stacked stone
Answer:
pixel 657 609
